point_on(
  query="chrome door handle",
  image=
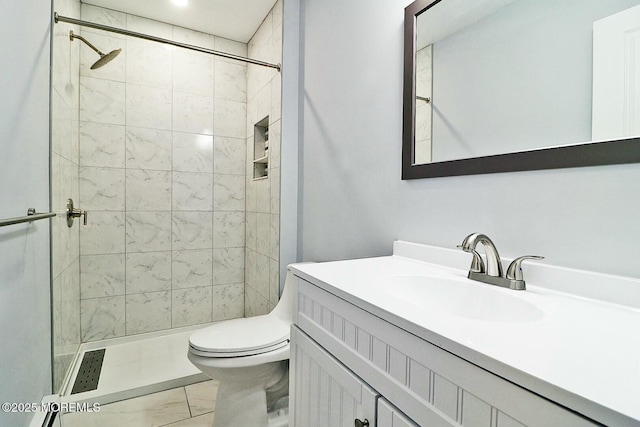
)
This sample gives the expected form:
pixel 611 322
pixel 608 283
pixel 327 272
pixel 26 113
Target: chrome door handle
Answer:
pixel 74 213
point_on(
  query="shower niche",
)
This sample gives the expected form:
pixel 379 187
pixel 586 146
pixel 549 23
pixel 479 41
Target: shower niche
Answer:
pixel 261 149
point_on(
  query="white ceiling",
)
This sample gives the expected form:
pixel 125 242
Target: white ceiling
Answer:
pixel 233 19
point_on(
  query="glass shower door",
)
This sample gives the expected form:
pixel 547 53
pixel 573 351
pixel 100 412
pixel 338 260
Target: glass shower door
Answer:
pixel 65 240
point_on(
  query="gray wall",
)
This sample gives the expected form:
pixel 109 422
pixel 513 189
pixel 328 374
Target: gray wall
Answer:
pixel 25 353
pixel 353 203
pixel 290 136
pixel 518 79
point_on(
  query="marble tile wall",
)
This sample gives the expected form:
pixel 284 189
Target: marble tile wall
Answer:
pixel 162 173
pixel 64 185
pixel 262 277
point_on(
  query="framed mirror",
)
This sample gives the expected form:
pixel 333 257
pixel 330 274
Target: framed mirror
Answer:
pixel 514 85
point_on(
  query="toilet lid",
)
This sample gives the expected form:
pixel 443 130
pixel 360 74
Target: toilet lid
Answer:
pixel 240 336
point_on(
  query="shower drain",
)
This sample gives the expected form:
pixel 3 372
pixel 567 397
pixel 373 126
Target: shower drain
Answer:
pixel 89 372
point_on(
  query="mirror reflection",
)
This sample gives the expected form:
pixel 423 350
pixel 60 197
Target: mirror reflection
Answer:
pixel 500 76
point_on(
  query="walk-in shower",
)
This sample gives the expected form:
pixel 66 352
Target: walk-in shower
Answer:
pixel 159 147
pixel 105 58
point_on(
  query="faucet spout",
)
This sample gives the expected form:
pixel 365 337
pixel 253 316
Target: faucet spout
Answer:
pixel 493 264
pixel 491 271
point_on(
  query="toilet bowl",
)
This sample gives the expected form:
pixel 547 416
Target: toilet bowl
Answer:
pixel 249 357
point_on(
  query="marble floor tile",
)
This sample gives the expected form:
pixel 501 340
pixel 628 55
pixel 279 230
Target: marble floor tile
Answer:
pixel 202 397
pixel 153 410
pixel 205 420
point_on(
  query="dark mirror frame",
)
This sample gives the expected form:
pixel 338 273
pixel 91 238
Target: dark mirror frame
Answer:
pixel 576 155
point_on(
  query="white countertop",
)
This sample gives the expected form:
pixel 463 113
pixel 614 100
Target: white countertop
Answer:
pixel 580 352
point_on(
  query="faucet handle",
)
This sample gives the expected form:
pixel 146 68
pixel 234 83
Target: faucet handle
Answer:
pixel 477 264
pixel 514 272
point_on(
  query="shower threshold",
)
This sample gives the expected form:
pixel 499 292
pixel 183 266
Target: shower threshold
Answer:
pixel 136 366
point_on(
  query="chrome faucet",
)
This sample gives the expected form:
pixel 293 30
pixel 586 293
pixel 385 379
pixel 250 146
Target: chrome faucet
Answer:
pixel 491 272
pixel 493 266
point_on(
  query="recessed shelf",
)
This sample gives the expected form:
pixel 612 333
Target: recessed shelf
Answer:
pixel 261 149
pixel 264 159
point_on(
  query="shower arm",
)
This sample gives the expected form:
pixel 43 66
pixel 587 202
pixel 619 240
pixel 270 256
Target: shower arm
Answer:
pixel 73 36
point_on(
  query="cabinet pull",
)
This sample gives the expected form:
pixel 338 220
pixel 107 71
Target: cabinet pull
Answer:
pixel 364 423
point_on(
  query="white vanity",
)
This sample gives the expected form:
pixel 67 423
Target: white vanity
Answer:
pixel 408 340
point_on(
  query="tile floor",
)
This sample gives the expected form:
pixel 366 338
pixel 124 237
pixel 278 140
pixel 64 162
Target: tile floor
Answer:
pixel 189 406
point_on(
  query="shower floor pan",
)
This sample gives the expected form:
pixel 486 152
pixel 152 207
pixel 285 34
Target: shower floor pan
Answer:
pixel 136 366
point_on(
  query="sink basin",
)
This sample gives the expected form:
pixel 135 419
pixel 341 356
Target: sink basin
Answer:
pixel 461 297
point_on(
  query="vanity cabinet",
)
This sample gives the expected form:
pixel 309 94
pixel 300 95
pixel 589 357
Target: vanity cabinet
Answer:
pixel 326 392
pixel 329 394
pixel 390 416
pixel 347 363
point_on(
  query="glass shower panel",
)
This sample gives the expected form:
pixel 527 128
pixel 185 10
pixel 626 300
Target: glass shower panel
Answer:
pixel 65 241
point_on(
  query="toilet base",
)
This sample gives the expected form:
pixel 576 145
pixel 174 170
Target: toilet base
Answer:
pixel 244 393
pixel 240 407
pixel 247 410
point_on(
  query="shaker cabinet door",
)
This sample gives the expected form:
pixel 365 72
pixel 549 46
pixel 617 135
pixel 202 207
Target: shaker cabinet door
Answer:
pixel 324 392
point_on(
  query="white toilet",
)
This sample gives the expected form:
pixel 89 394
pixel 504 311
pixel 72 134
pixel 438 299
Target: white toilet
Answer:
pixel 250 359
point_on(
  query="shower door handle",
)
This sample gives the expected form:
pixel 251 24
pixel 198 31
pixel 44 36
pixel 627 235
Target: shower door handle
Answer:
pixel 74 213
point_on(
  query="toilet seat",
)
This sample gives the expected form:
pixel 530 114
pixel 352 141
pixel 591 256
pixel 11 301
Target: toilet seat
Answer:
pixel 223 354
pixel 241 337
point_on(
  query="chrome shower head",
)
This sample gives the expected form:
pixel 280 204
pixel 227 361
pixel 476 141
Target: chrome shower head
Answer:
pixel 104 58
